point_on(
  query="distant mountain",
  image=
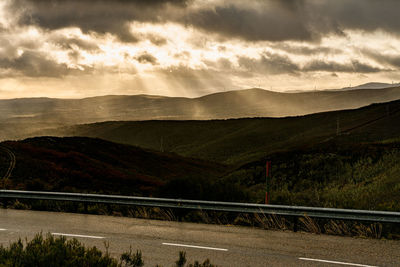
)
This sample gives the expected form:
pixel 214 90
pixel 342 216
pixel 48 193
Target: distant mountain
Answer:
pixel 236 141
pixel 93 165
pixel 19 118
pixel 372 85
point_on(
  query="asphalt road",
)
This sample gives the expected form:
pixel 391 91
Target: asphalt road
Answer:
pixel 161 241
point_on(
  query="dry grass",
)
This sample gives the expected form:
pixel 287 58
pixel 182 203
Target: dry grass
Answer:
pixel 372 231
pixel 357 229
pixel 271 221
pixel 259 220
pixel 167 214
pixel 309 225
pixel 337 228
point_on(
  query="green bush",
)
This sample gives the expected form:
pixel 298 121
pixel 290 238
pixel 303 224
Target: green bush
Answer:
pixel 58 251
pixel 51 251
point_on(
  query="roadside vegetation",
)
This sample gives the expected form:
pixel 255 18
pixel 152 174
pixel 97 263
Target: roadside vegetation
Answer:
pixel 363 176
pixel 332 174
pixel 44 251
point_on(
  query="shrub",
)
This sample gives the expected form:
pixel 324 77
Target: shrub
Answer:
pixel 58 251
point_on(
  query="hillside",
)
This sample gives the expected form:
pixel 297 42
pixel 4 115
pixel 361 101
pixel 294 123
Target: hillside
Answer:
pixel 355 176
pixel 244 140
pixel 342 159
pixel 94 165
pixel 372 85
pixel 20 118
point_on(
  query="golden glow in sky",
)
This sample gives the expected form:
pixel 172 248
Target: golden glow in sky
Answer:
pixel 196 48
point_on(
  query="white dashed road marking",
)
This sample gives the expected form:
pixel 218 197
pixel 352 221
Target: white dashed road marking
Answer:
pixel 74 235
pixel 337 262
pixel 191 246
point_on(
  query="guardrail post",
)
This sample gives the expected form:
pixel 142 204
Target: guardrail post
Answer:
pixel 85 205
pixel 5 203
pixel 295 223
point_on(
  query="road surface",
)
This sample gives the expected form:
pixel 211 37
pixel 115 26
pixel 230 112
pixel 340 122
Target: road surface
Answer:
pixel 160 241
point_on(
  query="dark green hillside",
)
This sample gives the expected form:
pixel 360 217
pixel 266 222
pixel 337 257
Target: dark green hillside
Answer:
pixel 94 165
pixel 358 176
pixel 243 140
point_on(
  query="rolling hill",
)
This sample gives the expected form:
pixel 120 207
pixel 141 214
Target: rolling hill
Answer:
pixel 94 165
pixel 372 85
pixel 19 118
pixel 236 141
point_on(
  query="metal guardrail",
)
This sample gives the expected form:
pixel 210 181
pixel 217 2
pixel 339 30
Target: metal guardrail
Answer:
pixel 294 211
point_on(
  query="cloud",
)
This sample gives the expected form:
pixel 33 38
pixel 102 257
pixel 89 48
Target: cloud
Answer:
pixel 269 63
pixel 367 15
pixel 147 58
pixel 391 60
pixel 299 20
pixel 274 23
pixel 101 16
pixel 331 66
pixel 36 64
pixel 70 43
pixel 306 50
pixel 156 40
pixel 253 20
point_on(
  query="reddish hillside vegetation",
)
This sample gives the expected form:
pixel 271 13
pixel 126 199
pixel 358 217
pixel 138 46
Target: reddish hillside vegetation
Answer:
pixel 95 165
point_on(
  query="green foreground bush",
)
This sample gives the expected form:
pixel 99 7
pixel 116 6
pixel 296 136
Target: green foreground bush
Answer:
pixel 58 251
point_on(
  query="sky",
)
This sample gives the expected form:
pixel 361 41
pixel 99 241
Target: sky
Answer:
pixel 190 48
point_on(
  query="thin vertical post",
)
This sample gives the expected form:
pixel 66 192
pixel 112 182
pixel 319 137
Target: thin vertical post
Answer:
pixel 295 223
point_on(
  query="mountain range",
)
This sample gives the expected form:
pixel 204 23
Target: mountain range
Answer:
pixel 372 85
pixel 20 118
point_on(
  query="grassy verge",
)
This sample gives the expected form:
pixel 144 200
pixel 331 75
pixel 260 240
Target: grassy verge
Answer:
pixel 260 221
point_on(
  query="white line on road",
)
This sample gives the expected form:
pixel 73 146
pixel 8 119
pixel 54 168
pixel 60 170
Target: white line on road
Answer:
pixel 337 262
pixel 191 246
pixel 2 229
pixel 74 235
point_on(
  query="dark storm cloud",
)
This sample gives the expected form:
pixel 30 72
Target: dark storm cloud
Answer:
pixel 271 20
pixel 147 58
pixel 275 20
pixel 101 16
pixel 329 66
pixel 269 63
pixel 35 64
pixel 9 47
pixel 274 24
pixel 306 50
pixel 368 15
